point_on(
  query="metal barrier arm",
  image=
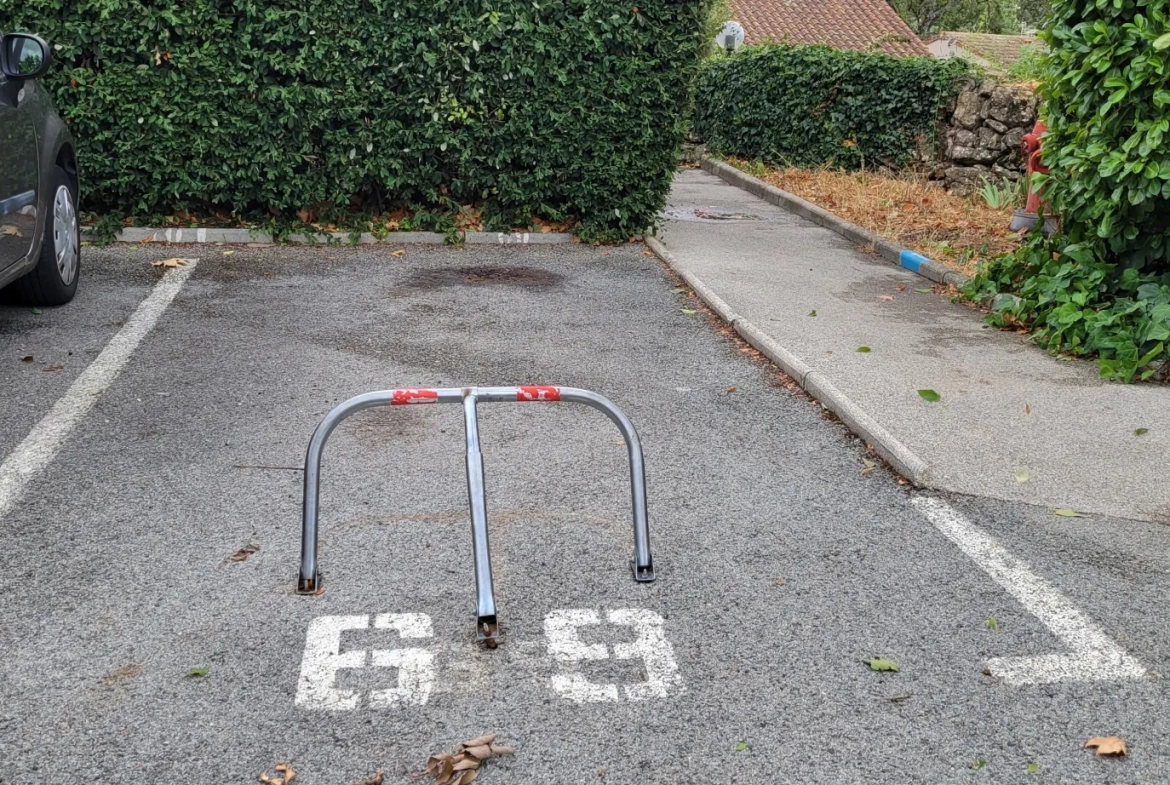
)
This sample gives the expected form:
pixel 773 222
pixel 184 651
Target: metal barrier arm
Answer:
pixel 643 564
pixel 310 579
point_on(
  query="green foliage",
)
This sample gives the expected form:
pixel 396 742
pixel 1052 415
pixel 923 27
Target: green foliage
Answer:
pixel 1031 65
pixel 1108 142
pixel 996 197
pixel 928 17
pixel 1078 305
pixel 563 109
pixel 1034 14
pixel 812 105
pixel 1103 287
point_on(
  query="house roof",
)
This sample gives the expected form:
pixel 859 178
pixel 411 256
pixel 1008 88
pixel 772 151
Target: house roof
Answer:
pixel 843 24
pixel 997 49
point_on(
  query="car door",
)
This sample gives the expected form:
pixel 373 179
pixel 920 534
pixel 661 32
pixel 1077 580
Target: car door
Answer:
pixel 18 171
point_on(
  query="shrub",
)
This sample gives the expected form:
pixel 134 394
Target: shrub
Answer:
pixel 1108 143
pixel 812 105
pixel 564 109
pixel 1103 287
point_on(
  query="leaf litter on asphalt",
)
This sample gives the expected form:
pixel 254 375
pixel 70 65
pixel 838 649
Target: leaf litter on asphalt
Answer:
pixel 1065 512
pixel 199 672
pixel 1108 746
pixel 463 766
pixel 172 263
pixel 243 553
pixel 374 780
pixel 1141 431
pixel 881 665
pixel 1023 475
pixel 284 775
pixel 687 311
pixel 742 746
pixel 929 395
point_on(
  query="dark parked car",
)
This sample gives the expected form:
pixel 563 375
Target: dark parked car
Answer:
pixel 39 239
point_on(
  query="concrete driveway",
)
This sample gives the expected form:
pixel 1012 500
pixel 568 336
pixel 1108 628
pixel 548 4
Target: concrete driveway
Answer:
pixel 171 438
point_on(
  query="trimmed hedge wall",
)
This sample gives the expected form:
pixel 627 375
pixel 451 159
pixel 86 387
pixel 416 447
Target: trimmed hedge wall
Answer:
pixel 813 105
pixel 563 108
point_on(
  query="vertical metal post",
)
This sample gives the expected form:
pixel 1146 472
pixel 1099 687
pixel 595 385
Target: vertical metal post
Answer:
pixel 485 622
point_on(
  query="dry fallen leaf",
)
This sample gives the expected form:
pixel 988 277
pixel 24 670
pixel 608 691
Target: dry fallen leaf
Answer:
pixel 1027 409
pixel 228 253
pixel 902 288
pixel 374 780
pixel 244 553
pixel 52 367
pixel 730 389
pixel 887 298
pixel 172 262
pixel 869 466
pixel 11 231
pixel 462 767
pixel 1108 745
pixel 284 775
pixel 399 253
pixel 28 358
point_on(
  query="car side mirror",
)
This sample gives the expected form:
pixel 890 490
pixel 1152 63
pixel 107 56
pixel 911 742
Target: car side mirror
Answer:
pixel 24 56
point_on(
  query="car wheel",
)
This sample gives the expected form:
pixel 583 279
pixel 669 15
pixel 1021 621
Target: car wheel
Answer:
pixel 54 280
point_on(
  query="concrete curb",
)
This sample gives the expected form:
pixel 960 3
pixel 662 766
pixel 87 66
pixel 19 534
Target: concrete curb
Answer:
pixel 903 257
pixel 815 383
pixel 136 234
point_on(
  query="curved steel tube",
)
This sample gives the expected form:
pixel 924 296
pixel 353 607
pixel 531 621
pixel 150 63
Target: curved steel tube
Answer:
pixel 310 580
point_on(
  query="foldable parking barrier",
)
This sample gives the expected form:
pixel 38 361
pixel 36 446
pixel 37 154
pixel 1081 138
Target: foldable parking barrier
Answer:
pixel 310 577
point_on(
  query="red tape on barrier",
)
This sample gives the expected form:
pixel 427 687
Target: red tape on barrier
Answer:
pixel 541 393
pixel 404 397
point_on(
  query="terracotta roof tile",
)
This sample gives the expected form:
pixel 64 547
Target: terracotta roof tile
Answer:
pixel 844 24
pixel 999 49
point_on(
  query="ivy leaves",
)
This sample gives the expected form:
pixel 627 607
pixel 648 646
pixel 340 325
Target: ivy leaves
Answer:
pixel 1103 287
pixel 811 105
pixel 566 110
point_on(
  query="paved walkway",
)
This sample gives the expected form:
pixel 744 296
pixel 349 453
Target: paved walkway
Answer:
pixel 1008 411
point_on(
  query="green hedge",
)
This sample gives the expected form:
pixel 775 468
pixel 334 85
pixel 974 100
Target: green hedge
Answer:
pixel 812 105
pixel 1103 286
pixel 562 108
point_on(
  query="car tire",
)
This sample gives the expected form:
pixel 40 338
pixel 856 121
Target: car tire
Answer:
pixel 54 280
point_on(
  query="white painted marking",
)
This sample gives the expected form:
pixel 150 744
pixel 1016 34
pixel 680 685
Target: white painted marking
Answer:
pixel 45 439
pixel 323 658
pixel 1094 656
pixel 416 667
pixel 651 646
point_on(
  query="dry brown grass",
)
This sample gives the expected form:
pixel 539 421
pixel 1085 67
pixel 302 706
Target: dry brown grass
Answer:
pixel 905 208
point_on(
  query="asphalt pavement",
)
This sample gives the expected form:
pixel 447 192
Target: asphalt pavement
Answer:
pixel 785 554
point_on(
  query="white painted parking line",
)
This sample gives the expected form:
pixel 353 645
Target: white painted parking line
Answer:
pixel 45 440
pixel 651 646
pixel 1094 656
pixel 323 658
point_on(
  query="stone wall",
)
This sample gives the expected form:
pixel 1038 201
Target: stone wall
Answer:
pixel 983 137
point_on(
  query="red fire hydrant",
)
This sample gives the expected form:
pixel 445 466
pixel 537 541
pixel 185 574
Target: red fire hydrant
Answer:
pixel 1028 217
